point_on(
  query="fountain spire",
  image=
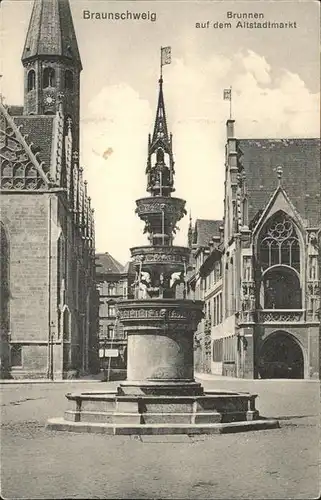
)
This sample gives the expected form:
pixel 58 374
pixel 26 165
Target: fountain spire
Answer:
pixel 160 162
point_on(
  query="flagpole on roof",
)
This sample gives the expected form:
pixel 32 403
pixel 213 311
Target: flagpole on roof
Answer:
pixel 227 95
pixel 161 65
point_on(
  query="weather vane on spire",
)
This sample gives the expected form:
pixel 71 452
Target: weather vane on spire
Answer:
pixel 166 58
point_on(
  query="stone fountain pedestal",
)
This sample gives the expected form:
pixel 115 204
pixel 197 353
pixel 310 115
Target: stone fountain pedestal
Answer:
pixel 160 395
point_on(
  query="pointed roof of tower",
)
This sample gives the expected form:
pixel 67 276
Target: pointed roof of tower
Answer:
pixel 160 134
pixel 51 31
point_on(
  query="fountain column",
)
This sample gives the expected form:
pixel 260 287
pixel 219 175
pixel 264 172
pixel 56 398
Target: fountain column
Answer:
pixel 160 321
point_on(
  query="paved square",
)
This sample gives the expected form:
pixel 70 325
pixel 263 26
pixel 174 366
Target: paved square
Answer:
pixel 280 463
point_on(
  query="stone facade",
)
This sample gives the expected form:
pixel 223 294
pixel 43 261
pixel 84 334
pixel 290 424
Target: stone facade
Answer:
pixel 49 302
pixel 268 318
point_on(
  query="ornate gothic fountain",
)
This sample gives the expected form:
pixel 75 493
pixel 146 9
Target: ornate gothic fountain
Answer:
pixel 160 394
pixel 160 321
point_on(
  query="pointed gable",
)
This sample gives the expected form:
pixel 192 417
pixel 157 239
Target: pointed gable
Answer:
pixel 279 202
pixel 39 131
pixel 21 167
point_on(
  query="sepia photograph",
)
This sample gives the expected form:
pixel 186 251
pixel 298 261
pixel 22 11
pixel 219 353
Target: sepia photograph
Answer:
pixel 160 249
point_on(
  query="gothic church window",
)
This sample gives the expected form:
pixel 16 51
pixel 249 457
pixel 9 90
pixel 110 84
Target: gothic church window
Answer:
pixel 280 243
pixel 48 78
pixel 66 324
pixel 279 257
pixel 31 80
pixel 69 80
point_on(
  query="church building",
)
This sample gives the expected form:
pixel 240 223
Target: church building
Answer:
pixel 259 272
pixel 48 294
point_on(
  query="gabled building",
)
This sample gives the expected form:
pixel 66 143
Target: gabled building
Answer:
pixel 48 295
pixel 269 254
pixel 114 282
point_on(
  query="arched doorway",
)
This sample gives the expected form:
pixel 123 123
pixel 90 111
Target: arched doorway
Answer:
pixel 281 356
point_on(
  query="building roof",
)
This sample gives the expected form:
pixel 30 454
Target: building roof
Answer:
pixel 106 264
pixel 300 161
pixel 204 231
pixel 40 131
pixel 129 267
pixel 51 31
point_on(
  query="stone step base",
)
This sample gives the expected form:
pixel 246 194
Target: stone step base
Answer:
pixel 158 417
pixel 60 424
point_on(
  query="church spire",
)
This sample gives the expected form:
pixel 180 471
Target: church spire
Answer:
pixel 52 63
pixel 51 32
pixel 160 172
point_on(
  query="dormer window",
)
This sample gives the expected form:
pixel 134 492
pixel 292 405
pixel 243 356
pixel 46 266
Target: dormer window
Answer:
pixel 69 80
pixel 48 78
pixel 31 84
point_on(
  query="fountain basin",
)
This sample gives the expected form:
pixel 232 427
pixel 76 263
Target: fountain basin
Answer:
pixel 115 413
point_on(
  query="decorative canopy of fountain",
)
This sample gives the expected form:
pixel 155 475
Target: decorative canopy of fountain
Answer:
pixel 160 395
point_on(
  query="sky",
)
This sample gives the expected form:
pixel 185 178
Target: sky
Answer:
pixel 274 74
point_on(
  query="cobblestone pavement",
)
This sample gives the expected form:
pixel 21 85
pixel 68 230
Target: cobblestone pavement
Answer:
pixel 274 464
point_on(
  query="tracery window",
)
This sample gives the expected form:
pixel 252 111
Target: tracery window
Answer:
pixel 279 257
pixel 280 243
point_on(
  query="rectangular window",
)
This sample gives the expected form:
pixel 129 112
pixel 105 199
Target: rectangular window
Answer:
pixel 112 289
pixel 103 310
pixel 110 331
pixel 16 355
pixel 112 311
pixel 103 331
pixel 104 288
pixel 217 349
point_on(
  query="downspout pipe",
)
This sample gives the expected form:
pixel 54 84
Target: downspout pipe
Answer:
pixel 50 352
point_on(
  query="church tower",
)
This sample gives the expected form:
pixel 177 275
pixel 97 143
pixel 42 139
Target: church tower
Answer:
pixel 52 63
